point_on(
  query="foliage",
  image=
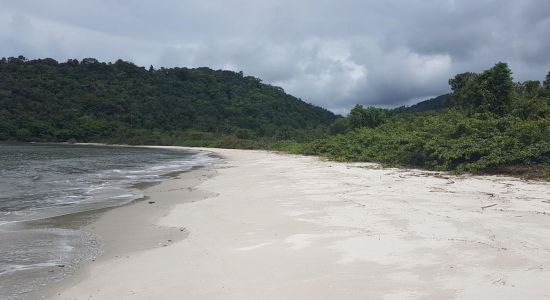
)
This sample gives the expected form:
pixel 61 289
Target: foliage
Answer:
pixel 367 117
pixel 494 125
pixel 43 100
pixel 446 141
pixel 490 91
pixel 434 104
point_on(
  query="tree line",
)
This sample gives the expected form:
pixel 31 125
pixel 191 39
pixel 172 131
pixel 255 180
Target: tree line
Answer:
pixel 88 100
pixel 487 124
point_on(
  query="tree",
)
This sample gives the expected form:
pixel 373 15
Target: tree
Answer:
pixel 490 91
pixel 546 85
pixel 529 88
pixel 89 61
pixel 366 117
pixel 339 126
pixel 465 93
pixel 497 85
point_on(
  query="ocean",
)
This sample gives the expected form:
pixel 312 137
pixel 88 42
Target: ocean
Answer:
pixel 40 183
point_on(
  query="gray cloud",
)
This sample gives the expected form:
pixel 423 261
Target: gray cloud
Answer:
pixel 331 53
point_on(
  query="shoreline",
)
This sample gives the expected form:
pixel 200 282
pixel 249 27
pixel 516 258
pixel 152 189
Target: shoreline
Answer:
pixel 46 245
pixel 115 228
pixel 278 226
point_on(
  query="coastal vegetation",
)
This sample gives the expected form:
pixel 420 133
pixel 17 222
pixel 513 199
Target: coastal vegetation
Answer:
pixel 91 101
pixel 487 124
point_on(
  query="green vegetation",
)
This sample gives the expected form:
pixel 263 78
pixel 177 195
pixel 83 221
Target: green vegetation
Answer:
pixel 89 101
pixel 434 104
pixel 488 124
pixel 492 125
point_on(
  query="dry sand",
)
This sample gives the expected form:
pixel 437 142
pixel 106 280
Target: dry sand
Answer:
pixel 274 226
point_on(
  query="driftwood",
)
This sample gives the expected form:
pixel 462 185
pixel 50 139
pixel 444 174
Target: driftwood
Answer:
pixel 490 205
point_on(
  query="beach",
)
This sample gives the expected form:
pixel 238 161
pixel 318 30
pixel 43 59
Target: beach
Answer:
pixel 264 225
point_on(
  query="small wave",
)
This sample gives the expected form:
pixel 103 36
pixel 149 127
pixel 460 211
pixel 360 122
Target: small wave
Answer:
pixel 103 188
pixel 15 268
pixel 124 196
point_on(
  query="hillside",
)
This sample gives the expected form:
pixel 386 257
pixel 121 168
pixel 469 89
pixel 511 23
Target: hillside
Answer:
pixel 433 104
pixel 43 100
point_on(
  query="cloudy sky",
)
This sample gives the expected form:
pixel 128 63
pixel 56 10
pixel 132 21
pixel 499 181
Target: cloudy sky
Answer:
pixel 331 53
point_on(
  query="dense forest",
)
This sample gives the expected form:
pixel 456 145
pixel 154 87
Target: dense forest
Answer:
pixel 43 100
pixel 487 124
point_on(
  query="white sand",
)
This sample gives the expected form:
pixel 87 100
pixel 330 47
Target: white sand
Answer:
pixel 291 227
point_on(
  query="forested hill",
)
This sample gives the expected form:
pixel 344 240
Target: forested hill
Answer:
pixel 433 104
pixel 87 100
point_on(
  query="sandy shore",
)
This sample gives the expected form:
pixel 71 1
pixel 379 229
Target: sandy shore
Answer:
pixel 271 226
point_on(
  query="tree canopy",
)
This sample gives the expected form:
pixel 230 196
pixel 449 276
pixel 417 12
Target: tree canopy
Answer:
pixel 88 100
pixel 490 91
pixel 490 125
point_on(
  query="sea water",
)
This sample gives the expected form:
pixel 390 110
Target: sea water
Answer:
pixel 40 183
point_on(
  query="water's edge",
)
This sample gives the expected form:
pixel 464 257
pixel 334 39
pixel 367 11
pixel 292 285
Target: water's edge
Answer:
pixel 142 215
pixel 76 229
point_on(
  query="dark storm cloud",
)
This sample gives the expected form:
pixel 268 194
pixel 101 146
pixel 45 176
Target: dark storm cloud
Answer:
pixel 331 53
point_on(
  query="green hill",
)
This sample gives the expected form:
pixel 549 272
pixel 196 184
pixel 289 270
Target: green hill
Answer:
pixel 433 104
pixel 43 100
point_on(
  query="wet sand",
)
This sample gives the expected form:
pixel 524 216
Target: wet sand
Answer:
pixel 125 230
pixel 275 226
